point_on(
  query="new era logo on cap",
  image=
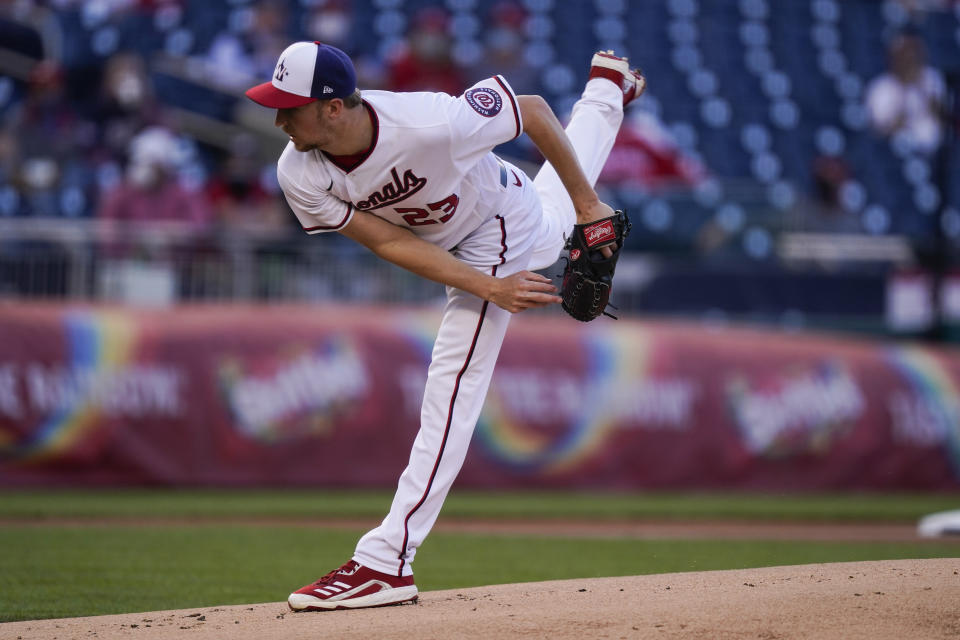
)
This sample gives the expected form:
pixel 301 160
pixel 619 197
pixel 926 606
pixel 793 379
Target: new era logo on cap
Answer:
pixel 305 72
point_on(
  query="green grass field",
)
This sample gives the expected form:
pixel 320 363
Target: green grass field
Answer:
pixel 79 553
pixel 134 503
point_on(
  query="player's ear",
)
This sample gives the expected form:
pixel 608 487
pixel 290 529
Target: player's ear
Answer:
pixel 333 108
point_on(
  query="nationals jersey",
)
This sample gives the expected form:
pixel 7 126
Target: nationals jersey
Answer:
pixel 429 168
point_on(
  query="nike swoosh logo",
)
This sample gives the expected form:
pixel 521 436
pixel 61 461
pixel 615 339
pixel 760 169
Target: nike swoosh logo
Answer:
pixel 517 178
pixel 331 184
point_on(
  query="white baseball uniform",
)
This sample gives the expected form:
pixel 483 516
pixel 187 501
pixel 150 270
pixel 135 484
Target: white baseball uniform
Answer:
pixel 431 168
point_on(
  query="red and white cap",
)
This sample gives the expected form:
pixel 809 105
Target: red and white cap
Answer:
pixel 305 72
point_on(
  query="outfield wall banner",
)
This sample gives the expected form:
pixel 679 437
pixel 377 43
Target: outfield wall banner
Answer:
pixel 329 396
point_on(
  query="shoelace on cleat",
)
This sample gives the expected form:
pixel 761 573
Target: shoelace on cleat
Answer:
pixel 327 578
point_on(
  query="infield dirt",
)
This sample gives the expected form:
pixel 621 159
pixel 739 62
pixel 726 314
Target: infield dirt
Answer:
pixel 889 600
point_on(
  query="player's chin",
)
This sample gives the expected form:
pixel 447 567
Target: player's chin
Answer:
pixel 300 144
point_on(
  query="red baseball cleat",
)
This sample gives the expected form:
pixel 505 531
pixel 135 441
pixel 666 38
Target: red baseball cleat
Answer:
pixel 353 586
pixel 616 69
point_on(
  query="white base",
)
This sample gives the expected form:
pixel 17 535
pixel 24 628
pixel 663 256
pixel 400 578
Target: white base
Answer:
pixel 945 523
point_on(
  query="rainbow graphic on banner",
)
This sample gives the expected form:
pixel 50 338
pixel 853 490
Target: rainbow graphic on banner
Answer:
pixel 96 342
pixel 420 329
pixel 612 358
pixel 931 380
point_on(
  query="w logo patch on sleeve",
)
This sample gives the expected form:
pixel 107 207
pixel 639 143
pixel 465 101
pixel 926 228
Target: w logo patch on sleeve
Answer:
pixel 484 101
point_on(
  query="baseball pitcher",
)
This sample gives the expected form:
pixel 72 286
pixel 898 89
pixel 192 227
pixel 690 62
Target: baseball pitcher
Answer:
pixel 412 177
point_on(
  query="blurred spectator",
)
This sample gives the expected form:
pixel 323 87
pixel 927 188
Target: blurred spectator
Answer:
pixel 331 22
pixel 243 194
pixel 645 154
pixel 905 101
pixel 150 192
pixel 126 104
pixel 827 207
pixel 48 147
pixel 504 42
pixel 251 47
pixel 9 158
pixel 830 174
pixel 425 62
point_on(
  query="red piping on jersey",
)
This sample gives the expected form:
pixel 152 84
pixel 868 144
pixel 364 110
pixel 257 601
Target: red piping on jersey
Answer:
pixel 446 434
pixel 334 227
pixel 347 168
pixel 516 111
pixel 503 241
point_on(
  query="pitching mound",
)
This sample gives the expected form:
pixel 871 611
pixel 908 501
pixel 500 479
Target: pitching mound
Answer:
pixel 870 600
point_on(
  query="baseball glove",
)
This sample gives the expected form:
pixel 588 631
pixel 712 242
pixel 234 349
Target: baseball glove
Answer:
pixel 588 275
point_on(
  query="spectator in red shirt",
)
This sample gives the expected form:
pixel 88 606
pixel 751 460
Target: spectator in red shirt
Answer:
pixel 150 193
pixel 426 63
pixel 645 154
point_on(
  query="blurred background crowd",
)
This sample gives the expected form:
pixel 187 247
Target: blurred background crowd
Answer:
pixel 792 162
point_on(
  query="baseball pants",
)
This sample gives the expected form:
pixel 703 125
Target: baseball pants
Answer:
pixel 471 334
